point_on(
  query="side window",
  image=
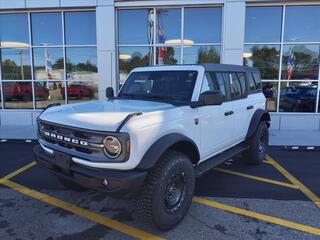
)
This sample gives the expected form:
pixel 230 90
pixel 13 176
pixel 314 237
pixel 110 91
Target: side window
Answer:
pixel 238 85
pixel 220 81
pixel 213 81
pixel 257 80
pixel 252 84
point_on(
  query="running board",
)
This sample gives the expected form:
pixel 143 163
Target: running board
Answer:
pixel 207 165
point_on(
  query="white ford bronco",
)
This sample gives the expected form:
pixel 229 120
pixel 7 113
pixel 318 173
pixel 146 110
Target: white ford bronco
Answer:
pixel 165 127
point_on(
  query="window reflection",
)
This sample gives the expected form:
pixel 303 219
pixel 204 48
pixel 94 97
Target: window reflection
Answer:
pixel 302 24
pixel 17 94
pixel 15 63
pixel 263 24
pixel 80 28
pixel 168 55
pixel 135 26
pixel 48 93
pixel 0 96
pixel 203 25
pixel 300 62
pixel 132 57
pixel 270 91
pixel 298 96
pixel 46 28
pixel 16 33
pixel 81 63
pixel 81 91
pixel 48 63
pixel 201 54
pixel 168 25
pixel 264 57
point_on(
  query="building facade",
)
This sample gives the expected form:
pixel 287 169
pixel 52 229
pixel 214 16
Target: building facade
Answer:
pixel 69 51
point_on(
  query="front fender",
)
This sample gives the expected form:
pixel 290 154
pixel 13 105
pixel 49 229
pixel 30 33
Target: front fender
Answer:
pixel 158 148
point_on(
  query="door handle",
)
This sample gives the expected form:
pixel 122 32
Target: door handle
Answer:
pixel 249 107
pixel 228 113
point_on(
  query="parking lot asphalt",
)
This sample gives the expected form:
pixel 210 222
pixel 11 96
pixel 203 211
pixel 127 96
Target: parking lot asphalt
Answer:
pixel 275 200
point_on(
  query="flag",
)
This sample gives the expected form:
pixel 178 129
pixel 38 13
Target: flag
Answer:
pixel 162 38
pixel 49 68
pixel 291 63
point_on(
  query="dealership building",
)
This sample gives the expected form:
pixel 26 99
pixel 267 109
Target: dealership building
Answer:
pixel 67 51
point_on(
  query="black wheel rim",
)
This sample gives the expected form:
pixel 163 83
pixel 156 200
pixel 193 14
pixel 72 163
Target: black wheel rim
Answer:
pixel 175 192
pixel 262 143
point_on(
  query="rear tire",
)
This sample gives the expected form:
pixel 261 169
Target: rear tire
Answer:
pixel 168 190
pixel 258 145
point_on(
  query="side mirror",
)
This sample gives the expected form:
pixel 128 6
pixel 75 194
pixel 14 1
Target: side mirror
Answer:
pixel 211 98
pixel 268 92
pixel 109 92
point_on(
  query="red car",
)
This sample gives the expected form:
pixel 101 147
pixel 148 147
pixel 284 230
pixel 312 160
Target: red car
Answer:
pixel 78 91
pixel 23 91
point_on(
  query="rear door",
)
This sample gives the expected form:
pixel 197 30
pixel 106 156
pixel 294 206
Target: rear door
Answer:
pixel 238 91
pixel 215 122
pixel 256 99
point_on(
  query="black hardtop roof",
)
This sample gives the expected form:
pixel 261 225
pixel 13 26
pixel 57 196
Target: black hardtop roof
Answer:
pixel 213 67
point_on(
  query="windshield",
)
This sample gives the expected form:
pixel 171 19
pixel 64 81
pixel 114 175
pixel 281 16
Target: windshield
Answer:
pixel 160 85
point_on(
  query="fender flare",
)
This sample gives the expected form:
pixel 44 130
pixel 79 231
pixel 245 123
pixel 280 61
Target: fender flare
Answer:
pixel 159 147
pixel 255 120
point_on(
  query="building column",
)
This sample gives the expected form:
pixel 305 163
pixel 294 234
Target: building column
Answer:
pixel 106 47
pixel 233 31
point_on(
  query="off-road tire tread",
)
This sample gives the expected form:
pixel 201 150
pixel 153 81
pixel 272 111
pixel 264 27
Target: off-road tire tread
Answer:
pixel 144 199
pixel 249 156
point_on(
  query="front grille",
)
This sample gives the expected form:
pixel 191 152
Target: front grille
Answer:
pixel 88 142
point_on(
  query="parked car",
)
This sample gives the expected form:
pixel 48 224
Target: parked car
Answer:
pixel 23 91
pixel 166 126
pixel 298 99
pixel 78 90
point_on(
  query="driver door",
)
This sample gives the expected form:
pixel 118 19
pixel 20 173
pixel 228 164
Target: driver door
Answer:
pixel 215 122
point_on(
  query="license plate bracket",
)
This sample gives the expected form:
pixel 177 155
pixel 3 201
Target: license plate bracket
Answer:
pixel 62 160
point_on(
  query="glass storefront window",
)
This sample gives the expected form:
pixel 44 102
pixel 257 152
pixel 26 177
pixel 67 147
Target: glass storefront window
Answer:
pixel 15 34
pixel 15 64
pixel 298 96
pixel 46 29
pixel 17 94
pixel 203 25
pixel 81 63
pixel 263 24
pixel 264 57
pixel 132 57
pixel 300 62
pixel 35 66
pixel 135 26
pixel 0 96
pixel 80 28
pixel 270 91
pixel 302 23
pixel 81 91
pixel 168 55
pixel 201 54
pixel 48 93
pixel 48 63
pixel 168 25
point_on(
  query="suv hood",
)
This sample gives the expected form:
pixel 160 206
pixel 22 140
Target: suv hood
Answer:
pixel 99 115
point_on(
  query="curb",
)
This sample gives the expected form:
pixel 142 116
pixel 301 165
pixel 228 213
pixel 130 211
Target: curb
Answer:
pixel 302 148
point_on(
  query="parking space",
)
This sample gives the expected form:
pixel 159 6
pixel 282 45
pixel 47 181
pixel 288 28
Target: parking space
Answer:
pixel 275 200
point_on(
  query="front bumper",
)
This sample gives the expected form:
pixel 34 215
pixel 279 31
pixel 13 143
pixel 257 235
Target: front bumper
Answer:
pixel 120 183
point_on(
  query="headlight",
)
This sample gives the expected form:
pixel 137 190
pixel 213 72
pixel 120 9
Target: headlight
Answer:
pixel 112 146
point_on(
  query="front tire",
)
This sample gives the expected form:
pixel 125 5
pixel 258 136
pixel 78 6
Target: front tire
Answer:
pixel 258 145
pixel 167 193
